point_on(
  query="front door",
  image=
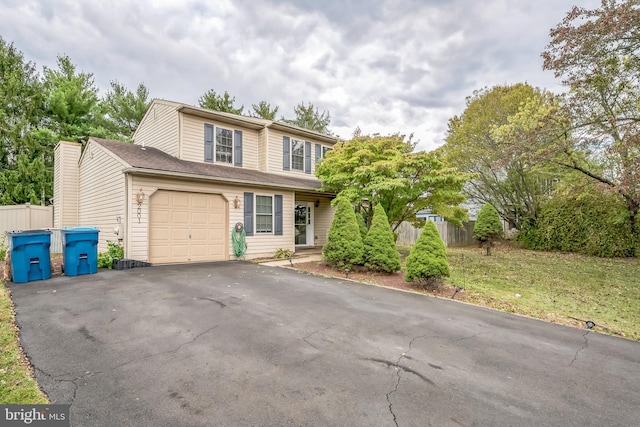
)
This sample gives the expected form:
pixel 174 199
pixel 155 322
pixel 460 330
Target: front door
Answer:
pixel 304 224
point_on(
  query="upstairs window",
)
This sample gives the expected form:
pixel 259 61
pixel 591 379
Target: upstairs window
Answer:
pixel 224 145
pixel 297 155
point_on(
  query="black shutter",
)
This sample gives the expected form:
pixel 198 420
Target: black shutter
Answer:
pixel 208 143
pixel 277 212
pixel 307 157
pixel 248 214
pixel 237 142
pixel 318 153
pixel 286 150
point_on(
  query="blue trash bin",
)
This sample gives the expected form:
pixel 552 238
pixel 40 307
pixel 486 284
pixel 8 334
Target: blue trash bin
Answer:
pixel 30 257
pixel 80 250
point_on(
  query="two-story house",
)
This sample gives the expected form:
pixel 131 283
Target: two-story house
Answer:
pixel 191 175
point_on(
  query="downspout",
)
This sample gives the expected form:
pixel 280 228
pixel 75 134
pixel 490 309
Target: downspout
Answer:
pixel 125 223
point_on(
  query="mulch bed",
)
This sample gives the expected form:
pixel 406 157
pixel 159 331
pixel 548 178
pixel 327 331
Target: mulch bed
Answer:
pixel 394 280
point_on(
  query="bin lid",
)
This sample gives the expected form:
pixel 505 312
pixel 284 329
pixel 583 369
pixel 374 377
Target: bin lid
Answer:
pixel 28 232
pixel 69 230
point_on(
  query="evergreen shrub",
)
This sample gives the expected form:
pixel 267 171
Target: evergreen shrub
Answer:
pixel 427 260
pixel 344 246
pixel 380 252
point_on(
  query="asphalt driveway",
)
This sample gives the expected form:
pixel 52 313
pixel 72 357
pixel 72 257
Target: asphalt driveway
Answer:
pixel 238 344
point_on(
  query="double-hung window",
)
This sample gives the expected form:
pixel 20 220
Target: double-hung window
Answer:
pixel 224 145
pixel 297 155
pixel 264 214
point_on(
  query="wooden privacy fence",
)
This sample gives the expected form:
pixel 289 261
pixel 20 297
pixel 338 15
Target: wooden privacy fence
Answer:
pixel 452 235
pixel 29 217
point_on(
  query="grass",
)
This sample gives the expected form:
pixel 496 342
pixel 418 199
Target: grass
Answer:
pixel 17 383
pixel 552 286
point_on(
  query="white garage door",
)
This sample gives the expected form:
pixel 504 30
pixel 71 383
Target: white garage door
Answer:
pixel 187 227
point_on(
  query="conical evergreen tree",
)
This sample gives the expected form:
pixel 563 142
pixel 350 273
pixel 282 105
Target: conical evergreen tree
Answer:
pixel 427 260
pixel 344 246
pixel 488 227
pixel 362 226
pixel 380 252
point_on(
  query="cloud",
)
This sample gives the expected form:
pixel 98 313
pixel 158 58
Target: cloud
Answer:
pixel 385 66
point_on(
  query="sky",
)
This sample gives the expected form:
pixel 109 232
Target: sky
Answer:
pixel 385 66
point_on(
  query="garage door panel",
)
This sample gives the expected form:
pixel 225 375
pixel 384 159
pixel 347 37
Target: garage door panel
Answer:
pixel 179 251
pixel 159 234
pixel 160 216
pixel 200 201
pixel 198 218
pixel 162 199
pixel 181 200
pixel 186 227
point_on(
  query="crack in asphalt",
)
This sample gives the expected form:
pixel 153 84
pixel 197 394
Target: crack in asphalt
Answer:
pixel 399 369
pixel 59 377
pixel 75 386
pixel 583 347
pixel 306 338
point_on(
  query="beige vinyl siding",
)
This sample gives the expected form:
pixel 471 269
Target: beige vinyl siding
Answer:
pixel 159 128
pixel 262 149
pixel 65 184
pixel 258 245
pixel 193 141
pixel 275 153
pixel 101 195
pixel 322 216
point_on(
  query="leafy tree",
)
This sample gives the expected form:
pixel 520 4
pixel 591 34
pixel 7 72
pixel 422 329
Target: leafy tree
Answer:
pixel 380 252
pixel 123 110
pixel 427 260
pixel 371 170
pixel 308 117
pixel 596 53
pixel 225 103
pixel 344 246
pixel 488 227
pixel 362 226
pixel 21 157
pixel 476 144
pixel 264 111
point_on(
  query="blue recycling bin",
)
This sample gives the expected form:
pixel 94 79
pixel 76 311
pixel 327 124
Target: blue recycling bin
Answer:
pixel 30 257
pixel 80 250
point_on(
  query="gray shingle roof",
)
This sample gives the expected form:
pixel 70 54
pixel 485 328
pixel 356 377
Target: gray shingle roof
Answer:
pixel 152 159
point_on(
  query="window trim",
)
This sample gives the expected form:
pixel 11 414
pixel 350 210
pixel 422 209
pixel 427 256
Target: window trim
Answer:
pixel 217 129
pixel 271 215
pixel 302 156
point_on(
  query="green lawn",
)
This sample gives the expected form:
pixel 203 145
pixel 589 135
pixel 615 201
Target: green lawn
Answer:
pixel 552 286
pixel 17 384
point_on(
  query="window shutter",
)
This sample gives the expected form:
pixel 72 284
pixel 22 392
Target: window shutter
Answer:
pixel 208 143
pixel 286 156
pixel 318 153
pixel 248 214
pixel 307 157
pixel 237 148
pixel 277 213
